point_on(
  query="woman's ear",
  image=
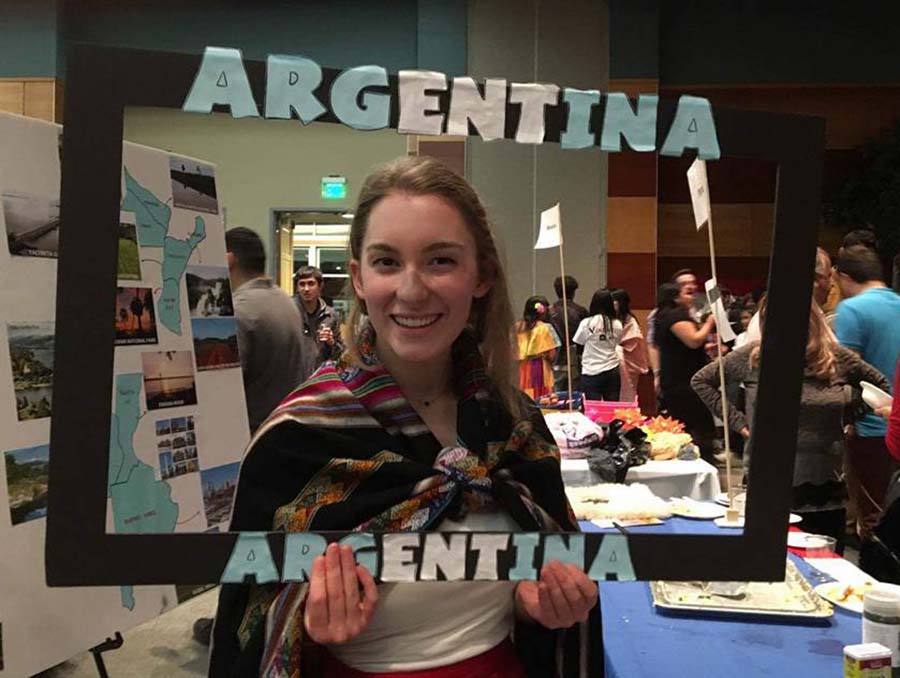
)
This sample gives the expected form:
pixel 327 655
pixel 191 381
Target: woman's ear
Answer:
pixel 486 281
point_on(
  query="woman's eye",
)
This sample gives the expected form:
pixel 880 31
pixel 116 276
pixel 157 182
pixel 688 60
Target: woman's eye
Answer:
pixel 443 261
pixel 384 262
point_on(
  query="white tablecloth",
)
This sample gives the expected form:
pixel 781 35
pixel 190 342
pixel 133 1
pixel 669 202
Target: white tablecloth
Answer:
pixel 666 479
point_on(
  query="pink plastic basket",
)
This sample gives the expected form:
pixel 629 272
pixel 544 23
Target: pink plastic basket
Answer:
pixel 603 410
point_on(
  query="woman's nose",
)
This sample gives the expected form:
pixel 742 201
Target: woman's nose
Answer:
pixel 412 286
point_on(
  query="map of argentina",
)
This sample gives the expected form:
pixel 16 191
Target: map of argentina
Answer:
pixel 140 502
pixel 152 218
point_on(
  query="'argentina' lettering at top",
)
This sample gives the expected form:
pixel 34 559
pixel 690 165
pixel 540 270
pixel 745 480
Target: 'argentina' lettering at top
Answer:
pixel 360 98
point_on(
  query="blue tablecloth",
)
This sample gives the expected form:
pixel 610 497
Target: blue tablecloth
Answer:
pixel 670 526
pixel 640 642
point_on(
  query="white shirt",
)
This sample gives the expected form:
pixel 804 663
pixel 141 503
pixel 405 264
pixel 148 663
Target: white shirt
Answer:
pixel 429 624
pixel 599 347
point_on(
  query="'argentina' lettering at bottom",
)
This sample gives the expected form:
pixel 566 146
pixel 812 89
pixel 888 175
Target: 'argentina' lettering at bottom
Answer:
pixel 433 556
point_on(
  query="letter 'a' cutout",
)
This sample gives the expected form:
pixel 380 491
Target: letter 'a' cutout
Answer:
pixel 250 556
pixel 221 79
pixel 613 558
pixel 693 127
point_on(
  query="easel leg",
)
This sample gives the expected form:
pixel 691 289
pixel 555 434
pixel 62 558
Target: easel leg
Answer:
pixel 109 644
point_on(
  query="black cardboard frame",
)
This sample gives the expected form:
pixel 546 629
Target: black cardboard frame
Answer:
pixel 101 82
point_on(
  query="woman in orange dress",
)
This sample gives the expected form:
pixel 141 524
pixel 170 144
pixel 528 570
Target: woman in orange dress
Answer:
pixel 538 343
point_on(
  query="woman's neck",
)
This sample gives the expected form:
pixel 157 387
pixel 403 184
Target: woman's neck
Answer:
pixel 420 382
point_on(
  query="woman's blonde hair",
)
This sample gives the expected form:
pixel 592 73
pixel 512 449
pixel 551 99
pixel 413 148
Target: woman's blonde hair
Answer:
pixel 491 316
pixel 820 342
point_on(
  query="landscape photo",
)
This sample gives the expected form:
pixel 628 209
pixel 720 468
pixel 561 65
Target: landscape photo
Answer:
pixel 193 185
pixel 129 254
pixel 135 316
pixel 26 479
pixel 32 224
pixel 168 379
pixel 163 427
pixel 209 291
pixel 31 357
pixel 215 343
pixel 218 485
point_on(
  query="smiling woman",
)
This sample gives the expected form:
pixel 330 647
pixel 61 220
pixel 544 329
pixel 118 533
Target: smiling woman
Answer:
pixel 419 427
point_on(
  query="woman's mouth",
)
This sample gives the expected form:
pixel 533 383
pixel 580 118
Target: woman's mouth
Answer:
pixel 416 322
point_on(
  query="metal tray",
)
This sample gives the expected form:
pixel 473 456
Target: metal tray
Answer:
pixel 792 599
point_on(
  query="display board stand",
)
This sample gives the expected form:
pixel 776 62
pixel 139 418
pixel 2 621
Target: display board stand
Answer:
pixel 113 643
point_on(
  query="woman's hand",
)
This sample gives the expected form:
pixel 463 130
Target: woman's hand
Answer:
pixel 745 433
pixel 564 596
pixel 334 611
pixel 884 412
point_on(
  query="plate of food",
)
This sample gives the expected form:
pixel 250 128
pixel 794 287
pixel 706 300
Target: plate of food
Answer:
pixel 696 510
pixel 874 397
pixel 846 595
pixel 733 524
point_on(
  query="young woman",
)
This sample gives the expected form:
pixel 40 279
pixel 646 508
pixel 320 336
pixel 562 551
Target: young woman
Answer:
pixel 680 341
pixel 599 333
pixel 420 426
pixel 538 343
pixel 634 358
pixel 819 494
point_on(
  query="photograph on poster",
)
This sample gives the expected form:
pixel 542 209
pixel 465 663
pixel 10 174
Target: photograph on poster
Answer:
pixel 129 254
pixel 163 427
pixel 135 316
pixel 26 481
pixel 190 422
pixel 209 291
pixel 166 464
pixel 178 441
pixel 178 424
pixel 219 484
pixel 215 343
pixel 31 357
pixel 193 185
pixel 168 379
pixel 164 444
pixel 32 224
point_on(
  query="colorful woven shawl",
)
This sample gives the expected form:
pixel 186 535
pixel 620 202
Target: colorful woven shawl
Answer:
pixel 346 450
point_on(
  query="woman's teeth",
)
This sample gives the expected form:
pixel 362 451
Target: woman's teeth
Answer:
pixel 415 321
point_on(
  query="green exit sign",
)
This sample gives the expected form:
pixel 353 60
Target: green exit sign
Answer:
pixel 334 188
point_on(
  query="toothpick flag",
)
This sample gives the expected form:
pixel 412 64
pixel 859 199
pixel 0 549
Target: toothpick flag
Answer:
pixel 699 186
pixel 550 234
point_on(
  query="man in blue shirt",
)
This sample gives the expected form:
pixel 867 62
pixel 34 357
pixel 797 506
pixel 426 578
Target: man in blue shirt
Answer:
pixel 868 322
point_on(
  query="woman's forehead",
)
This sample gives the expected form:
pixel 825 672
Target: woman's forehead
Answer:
pixel 406 222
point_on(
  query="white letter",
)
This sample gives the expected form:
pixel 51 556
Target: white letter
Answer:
pixel 488 114
pixel 487 546
pixel 533 98
pixel 437 554
pixel 415 104
pixel 394 566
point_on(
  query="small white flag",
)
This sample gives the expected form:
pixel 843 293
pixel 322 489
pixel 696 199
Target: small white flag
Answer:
pixel 699 186
pixel 723 326
pixel 551 229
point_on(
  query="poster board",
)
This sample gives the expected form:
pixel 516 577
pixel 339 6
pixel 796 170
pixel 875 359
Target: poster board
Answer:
pixel 172 296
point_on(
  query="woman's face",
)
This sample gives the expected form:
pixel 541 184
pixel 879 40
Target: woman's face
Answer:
pixel 418 275
pixel 685 296
pixel 745 319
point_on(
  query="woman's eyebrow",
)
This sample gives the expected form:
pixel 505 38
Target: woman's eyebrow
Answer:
pixel 442 245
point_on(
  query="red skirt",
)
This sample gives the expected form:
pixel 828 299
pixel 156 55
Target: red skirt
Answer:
pixel 500 662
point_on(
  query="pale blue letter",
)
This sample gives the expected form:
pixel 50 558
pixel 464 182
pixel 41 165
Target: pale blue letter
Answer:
pixel 375 108
pixel 526 544
pixel 251 555
pixel 613 557
pixel 693 127
pixel 578 126
pixel 638 129
pixel 300 548
pixel 556 549
pixel 290 83
pixel 368 558
pixel 221 79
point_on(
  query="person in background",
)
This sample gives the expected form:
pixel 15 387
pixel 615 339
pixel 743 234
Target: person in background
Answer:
pixel 681 340
pixel 867 322
pixel 891 413
pixel 599 334
pixel 268 327
pixel 685 278
pixel 746 316
pixel 826 293
pixel 818 494
pixel 538 345
pixel 576 313
pixel 269 340
pixel 422 408
pixel 634 359
pixel 320 323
